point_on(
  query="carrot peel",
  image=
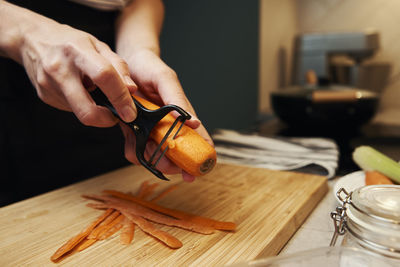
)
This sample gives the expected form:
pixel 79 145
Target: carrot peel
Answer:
pixel 70 244
pixel 218 225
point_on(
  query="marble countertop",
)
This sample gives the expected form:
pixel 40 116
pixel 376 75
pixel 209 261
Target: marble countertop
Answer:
pixel 318 228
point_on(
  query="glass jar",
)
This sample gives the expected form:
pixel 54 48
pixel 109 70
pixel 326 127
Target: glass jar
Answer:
pixel 369 219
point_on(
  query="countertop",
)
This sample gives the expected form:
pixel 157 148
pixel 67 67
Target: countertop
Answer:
pixel 318 228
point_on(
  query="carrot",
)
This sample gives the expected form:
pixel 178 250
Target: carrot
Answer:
pixel 147 227
pixel 189 150
pixel 375 177
pixel 70 244
pixel 218 225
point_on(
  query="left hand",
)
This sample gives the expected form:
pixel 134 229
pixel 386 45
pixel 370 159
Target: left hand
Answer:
pixel 159 83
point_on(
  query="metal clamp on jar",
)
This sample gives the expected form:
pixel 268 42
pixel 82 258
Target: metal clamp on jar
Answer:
pixel 369 218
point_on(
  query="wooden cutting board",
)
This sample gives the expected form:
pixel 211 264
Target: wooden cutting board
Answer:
pixel 268 207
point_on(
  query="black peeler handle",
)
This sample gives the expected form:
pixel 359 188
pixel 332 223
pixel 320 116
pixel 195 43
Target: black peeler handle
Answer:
pixel 143 124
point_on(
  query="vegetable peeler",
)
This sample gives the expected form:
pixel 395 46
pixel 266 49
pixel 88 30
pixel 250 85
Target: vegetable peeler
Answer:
pixel 143 124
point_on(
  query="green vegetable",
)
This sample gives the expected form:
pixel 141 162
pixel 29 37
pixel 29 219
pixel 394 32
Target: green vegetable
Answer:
pixel 369 159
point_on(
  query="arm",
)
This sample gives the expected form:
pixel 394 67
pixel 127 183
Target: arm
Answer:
pixel 139 27
pixel 138 30
pixel 61 60
pixel 10 30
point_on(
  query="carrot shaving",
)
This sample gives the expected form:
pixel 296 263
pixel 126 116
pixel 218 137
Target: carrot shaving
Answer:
pixel 85 244
pixel 142 189
pixel 164 193
pixel 147 227
pixel 109 226
pixel 218 225
pixel 127 232
pixel 98 206
pixel 150 190
pixel 133 208
pixel 103 225
pixel 70 244
pixel 115 228
pixel 125 211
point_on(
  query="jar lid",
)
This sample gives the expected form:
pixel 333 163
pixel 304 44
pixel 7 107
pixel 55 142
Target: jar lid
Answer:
pixel 379 201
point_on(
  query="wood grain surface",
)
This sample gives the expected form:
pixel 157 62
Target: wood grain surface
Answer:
pixel 268 207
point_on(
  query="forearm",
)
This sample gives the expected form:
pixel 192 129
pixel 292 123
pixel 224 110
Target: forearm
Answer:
pixel 12 29
pixel 139 27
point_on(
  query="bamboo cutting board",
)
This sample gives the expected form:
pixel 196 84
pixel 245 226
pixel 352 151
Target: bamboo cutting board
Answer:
pixel 267 206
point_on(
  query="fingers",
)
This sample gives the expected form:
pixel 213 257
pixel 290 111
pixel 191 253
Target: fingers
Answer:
pixel 171 92
pixel 118 63
pixel 188 177
pixel 108 79
pixel 83 105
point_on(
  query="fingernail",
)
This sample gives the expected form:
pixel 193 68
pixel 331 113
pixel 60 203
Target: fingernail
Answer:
pixel 194 121
pixel 128 113
pixel 193 117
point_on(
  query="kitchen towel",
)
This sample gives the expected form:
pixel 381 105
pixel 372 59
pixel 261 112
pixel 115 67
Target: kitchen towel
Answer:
pixel 310 155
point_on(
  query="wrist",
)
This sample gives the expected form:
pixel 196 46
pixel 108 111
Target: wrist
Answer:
pixel 137 52
pixel 11 32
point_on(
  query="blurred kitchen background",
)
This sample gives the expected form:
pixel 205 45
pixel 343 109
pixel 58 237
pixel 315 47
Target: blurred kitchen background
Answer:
pixel 232 57
pixel 280 21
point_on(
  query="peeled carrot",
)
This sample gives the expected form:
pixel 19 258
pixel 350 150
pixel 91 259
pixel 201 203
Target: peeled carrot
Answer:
pixel 375 177
pixel 218 225
pixel 189 151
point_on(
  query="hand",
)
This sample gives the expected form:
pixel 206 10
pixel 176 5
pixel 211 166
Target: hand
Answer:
pixel 159 83
pixel 62 63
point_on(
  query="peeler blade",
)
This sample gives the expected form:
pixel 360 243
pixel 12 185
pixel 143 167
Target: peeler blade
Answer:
pixel 145 121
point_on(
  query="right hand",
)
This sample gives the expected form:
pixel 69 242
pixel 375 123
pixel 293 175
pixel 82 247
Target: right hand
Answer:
pixel 63 63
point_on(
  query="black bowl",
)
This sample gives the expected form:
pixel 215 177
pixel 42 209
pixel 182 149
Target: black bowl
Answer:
pixel 346 107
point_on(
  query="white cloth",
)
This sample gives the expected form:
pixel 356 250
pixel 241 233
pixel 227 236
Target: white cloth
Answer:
pixel 106 5
pixel 312 155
